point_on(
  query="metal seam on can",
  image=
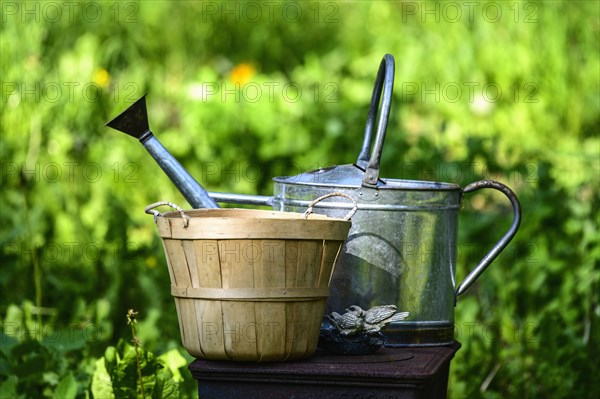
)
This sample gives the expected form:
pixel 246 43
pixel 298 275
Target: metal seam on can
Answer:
pixel 340 205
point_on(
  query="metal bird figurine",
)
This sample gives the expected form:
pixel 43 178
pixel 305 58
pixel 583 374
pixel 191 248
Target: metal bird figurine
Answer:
pixel 379 316
pixel 357 332
pixel 350 322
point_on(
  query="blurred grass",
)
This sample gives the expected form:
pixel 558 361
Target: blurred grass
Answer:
pixel 506 90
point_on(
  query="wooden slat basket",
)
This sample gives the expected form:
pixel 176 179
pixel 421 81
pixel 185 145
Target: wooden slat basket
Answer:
pixel 250 285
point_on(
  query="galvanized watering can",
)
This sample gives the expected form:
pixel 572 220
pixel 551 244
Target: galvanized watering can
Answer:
pixel 402 246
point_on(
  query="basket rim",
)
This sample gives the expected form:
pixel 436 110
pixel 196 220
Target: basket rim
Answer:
pixel 242 213
pixel 233 223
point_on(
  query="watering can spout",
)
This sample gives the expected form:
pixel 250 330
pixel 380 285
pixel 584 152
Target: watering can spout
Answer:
pixel 134 122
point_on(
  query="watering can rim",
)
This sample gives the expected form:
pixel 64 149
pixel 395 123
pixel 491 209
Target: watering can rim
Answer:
pixel 351 176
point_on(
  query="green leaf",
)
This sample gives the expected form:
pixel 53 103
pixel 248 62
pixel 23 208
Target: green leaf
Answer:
pixel 30 359
pixel 8 389
pixel 165 387
pixel 110 359
pixel 67 387
pixel 101 382
pixel 173 360
pixel 8 343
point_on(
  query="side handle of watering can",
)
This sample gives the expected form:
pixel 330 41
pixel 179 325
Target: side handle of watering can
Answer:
pixel 500 245
pixel 367 159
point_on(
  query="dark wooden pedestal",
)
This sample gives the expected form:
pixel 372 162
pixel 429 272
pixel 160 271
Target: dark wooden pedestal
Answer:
pixel 389 373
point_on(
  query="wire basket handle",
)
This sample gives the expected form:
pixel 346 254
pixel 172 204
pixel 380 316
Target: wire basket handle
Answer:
pixel 351 213
pixel 151 211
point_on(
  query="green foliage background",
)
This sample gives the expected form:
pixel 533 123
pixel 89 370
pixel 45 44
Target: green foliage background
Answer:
pixel 503 90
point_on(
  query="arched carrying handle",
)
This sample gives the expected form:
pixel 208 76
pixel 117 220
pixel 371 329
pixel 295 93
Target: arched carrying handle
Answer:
pixel 367 159
pixel 350 213
pixel 489 258
pixel 151 211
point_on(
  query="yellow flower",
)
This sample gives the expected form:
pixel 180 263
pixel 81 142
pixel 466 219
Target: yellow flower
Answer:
pixel 151 262
pixel 242 73
pixel 102 78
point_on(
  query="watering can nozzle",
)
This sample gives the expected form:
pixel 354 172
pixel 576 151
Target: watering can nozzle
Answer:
pixel 133 121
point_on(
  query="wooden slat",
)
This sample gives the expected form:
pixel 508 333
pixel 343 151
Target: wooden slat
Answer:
pixel 205 270
pixel 207 263
pixel 251 294
pixel 178 262
pixel 331 250
pixel 180 317
pixel 190 326
pixel 238 317
pixel 291 262
pixel 297 314
pixel 269 273
pixel 169 265
pixel 309 263
pixel 210 326
pixel 164 226
pixel 239 330
pixel 190 258
pixel 315 318
pixel 271 325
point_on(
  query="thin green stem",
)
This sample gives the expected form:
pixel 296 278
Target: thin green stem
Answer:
pixel 37 270
pixel 131 320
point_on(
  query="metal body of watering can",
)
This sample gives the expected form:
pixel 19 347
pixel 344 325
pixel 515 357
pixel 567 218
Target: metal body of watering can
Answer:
pixel 402 245
pixel 401 250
